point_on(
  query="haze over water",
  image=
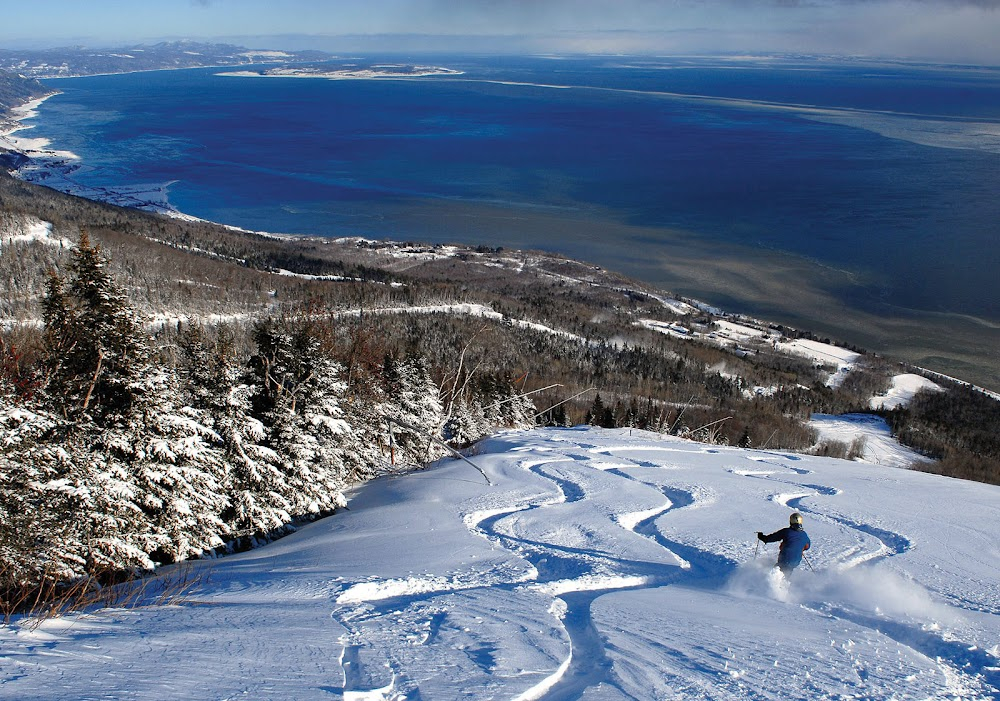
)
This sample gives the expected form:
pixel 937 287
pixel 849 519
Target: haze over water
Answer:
pixel 856 199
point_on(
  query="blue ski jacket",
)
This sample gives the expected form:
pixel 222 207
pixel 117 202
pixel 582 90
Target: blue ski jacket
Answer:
pixel 794 542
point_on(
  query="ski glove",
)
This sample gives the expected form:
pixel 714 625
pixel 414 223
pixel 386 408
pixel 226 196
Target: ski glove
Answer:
pixel 760 535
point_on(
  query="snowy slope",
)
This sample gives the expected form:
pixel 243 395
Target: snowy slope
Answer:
pixel 600 565
pixel 902 390
pixel 879 446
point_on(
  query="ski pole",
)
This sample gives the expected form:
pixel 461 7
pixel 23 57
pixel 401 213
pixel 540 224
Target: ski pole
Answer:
pixel 756 549
pixel 807 561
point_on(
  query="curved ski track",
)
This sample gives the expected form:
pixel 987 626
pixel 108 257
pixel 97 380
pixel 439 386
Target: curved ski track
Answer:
pixel 581 575
pixel 588 664
pixel 957 655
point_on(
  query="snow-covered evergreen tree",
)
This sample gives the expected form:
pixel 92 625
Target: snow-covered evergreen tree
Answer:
pixel 414 404
pixel 217 382
pixel 492 402
pixel 371 452
pixel 38 499
pixel 505 406
pixel 146 474
pixel 467 422
pixel 95 346
pixel 175 464
pixel 300 405
pixel 96 366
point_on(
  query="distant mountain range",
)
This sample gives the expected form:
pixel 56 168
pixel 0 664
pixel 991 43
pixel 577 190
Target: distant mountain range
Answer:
pixel 82 60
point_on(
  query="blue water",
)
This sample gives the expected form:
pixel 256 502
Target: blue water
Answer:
pixel 899 183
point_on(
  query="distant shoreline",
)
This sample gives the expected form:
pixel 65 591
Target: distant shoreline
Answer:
pixel 54 168
pixel 734 277
pixel 372 73
pixel 26 110
pixel 31 149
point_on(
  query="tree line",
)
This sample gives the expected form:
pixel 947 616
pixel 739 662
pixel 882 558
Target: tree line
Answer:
pixel 124 451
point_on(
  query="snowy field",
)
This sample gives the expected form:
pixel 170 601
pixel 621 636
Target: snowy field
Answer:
pixel 600 564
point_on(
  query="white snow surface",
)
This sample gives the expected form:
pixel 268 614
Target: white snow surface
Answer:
pixel 880 447
pixel 824 354
pixel 902 390
pixel 32 230
pixel 600 565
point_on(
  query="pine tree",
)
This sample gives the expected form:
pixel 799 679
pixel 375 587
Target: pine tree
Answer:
pixel 95 363
pixel 467 423
pixel 414 401
pixel 39 500
pixel 300 405
pixel 95 346
pixel 595 415
pixel 508 407
pixel 367 410
pixel 216 380
pixel 147 475
pixel 175 464
pixel 492 402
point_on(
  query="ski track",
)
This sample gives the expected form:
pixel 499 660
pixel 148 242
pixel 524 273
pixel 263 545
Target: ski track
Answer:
pixel 588 665
pixel 890 543
pixel 955 653
pixel 952 655
pixel 373 663
pixel 379 601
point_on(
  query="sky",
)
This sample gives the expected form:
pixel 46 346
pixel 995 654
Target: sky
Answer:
pixel 945 30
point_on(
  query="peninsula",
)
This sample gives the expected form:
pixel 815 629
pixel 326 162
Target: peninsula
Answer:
pixel 346 72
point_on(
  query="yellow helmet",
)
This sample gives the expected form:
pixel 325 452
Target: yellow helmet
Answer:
pixel 795 519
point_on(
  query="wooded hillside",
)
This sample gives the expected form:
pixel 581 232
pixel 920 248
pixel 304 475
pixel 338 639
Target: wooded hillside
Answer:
pixel 173 387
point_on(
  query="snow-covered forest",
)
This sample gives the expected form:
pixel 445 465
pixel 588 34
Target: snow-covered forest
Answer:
pixel 120 455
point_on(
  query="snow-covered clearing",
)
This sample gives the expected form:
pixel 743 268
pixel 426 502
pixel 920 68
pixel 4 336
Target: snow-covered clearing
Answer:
pixel 32 231
pixel 734 335
pixel 740 333
pixel 824 354
pixel 666 327
pixel 902 390
pixel 879 446
pixel 601 564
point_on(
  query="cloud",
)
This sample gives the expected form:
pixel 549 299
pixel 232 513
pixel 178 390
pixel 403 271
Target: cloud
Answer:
pixel 948 30
pixel 945 30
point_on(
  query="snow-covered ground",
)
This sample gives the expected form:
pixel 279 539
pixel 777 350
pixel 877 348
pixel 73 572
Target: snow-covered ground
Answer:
pixel 824 354
pixel 902 390
pixel 31 230
pixel 600 564
pixel 878 447
pixel 733 334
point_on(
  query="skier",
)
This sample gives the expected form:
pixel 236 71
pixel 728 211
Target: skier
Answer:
pixel 794 542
